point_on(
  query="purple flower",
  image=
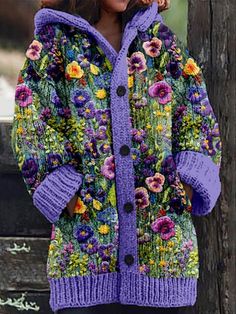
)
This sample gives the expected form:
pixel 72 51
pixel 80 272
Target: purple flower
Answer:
pixel 90 247
pixel 104 268
pixel 196 94
pixel 141 197
pixel 102 116
pixel 135 155
pixel 101 133
pixel 29 168
pixel 80 97
pixel 105 251
pixel 56 99
pixel 138 135
pixel 87 194
pixel 108 169
pixel 53 160
pixel 165 226
pixel 45 114
pixel 176 205
pixel 162 91
pixel 136 63
pixel 105 148
pixel 174 69
pixel 82 233
pixel 23 95
pixel 87 111
pixel 83 61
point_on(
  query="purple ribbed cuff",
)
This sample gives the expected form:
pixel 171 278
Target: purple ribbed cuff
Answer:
pixel 199 171
pixel 56 190
pixel 124 288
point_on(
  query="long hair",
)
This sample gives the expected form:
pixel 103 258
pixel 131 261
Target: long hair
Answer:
pixel 90 9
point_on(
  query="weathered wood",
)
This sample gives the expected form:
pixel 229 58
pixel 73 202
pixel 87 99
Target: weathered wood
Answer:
pixel 211 40
pixel 36 302
pixel 26 269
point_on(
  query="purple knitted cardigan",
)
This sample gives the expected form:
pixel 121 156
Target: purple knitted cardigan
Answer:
pixel 197 162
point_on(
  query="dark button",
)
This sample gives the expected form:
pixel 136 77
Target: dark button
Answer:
pixel 128 207
pixel 129 259
pixel 124 150
pixel 121 90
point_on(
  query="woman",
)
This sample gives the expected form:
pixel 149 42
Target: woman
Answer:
pixel 118 145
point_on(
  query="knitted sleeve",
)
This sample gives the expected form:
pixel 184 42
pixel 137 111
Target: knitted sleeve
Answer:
pixel 196 138
pixel 44 155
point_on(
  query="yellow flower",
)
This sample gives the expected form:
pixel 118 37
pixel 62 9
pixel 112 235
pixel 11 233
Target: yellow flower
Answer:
pixel 148 126
pixel 51 247
pixel 97 205
pixel 104 229
pixel 101 93
pixel 191 67
pixel 170 243
pixel 162 263
pixel 130 81
pixel 94 69
pixel 80 207
pixel 159 128
pixel 74 70
pixel 20 130
pixel 151 262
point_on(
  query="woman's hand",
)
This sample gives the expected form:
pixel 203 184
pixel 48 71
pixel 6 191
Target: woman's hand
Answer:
pixel 188 189
pixel 71 205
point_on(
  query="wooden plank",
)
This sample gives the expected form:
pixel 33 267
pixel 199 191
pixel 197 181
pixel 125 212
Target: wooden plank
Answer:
pixel 26 269
pixel 211 40
pixel 24 302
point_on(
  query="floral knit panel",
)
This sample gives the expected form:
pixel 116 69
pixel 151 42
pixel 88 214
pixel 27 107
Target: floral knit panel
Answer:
pixel 87 243
pixel 170 112
pixel 38 141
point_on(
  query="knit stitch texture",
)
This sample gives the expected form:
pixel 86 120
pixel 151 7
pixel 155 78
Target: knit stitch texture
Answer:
pixel 123 131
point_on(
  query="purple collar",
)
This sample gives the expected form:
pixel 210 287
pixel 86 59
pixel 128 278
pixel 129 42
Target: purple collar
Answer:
pixel 140 21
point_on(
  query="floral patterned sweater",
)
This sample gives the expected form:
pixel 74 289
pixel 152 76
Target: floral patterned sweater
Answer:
pixel 122 131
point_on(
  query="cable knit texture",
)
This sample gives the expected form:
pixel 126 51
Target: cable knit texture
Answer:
pixel 123 131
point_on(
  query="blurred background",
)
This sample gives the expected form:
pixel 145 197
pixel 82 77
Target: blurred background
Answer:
pixel 16 33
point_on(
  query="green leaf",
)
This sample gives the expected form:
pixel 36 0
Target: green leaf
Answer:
pixel 112 195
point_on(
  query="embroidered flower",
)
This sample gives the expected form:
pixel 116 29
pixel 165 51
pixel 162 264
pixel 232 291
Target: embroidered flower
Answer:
pixel 104 229
pixel 138 135
pixel 191 67
pixel 80 207
pixel 107 216
pixel 101 93
pixel 105 251
pixel 23 95
pixel 108 169
pixel 155 183
pixel 141 197
pixel 162 91
pixel 174 69
pixel 164 226
pixel 82 233
pixel 80 97
pixel 90 247
pixel 196 94
pixel 29 168
pixel 136 63
pixel 153 47
pixel 87 111
pixel 53 161
pixel 103 116
pixel 74 70
pixel 34 50
pixel 94 69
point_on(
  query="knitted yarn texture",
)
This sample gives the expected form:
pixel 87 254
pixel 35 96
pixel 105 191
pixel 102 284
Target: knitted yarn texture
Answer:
pixel 122 131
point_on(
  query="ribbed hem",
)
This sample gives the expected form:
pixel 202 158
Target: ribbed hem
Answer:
pixel 202 174
pixel 56 190
pixel 124 288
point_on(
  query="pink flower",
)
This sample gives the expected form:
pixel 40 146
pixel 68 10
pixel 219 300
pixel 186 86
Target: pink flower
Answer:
pixel 153 47
pixel 34 50
pixel 23 95
pixel 136 63
pixel 108 169
pixel 162 91
pixel 165 226
pixel 155 183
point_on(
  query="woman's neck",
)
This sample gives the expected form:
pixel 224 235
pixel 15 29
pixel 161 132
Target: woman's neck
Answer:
pixel 109 26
